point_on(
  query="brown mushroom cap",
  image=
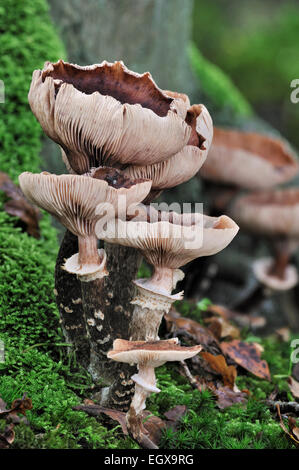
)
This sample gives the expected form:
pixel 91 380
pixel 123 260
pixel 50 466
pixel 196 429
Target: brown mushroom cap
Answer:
pixel 249 160
pixel 261 269
pixel 114 116
pixel 271 213
pixel 73 199
pixel 151 353
pixel 186 163
pixel 171 245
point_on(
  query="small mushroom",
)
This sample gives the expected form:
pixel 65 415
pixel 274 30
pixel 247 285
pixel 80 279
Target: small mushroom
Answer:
pixel 275 215
pixel 167 244
pixel 74 200
pixel 147 356
pixel 186 163
pixel 249 160
pixel 105 114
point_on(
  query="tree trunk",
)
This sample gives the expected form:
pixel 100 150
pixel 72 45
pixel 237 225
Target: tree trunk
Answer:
pixel 146 34
pixel 95 313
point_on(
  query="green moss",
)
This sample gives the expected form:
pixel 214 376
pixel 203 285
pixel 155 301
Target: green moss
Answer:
pixel 216 85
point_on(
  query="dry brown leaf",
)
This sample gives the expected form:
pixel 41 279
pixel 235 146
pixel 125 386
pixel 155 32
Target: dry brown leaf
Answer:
pixel 18 206
pixel 199 333
pixel 240 319
pixel 294 387
pixel 219 365
pixel 227 397
pixel 293 432
pixel 247 355
pixel 174 416
pixel 226 328
pixel 7 437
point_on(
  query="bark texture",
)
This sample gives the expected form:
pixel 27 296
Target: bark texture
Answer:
pixel 95 313
pixel 69 302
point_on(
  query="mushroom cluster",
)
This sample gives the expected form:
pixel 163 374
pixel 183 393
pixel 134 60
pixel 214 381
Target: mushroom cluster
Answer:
pixel 258 163
pixel 123 141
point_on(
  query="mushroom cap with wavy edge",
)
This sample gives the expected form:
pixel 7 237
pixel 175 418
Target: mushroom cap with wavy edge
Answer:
pixel 261 268
pixel 105 114
pixel 151 353
pixel 73 199
pixel 271 213
pixel 172 245
pixel 186 163
pixel 249 160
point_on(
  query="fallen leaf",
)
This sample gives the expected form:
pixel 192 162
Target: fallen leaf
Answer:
pixel 227 397
pixel 195 330
pixel 154 426
pixel 295 371
pixel 294 387
pixel 239 318
pixel 19 206
pixel 174 416
pixel 293 431
pixel 7 437
pixel 247 355
pixel 219 365
pixel 225 327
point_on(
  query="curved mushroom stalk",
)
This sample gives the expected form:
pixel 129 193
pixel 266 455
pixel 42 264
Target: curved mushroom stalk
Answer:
pixel 152 301
pixel 145 384
pixel 167 241
pixel 147 355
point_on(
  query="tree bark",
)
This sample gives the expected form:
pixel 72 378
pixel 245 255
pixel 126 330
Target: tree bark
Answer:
pixel 93 314
pixel 146 34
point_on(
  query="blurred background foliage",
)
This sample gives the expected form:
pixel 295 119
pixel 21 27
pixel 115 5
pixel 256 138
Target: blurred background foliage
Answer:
pixel 257 44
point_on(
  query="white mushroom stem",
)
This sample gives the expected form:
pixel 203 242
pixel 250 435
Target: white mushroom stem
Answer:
pixel 145 382
pixel 152 301
pixel 88 250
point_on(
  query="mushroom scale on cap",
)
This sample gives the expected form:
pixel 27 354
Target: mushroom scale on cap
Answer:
pixel 114 116
pixel 249 160
pixel 275 215
pixel 74 201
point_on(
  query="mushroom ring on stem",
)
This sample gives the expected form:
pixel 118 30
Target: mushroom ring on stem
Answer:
pixel 75 200
pixel 273 214
pixel 167 244
pixel 147 356
pixel 105 114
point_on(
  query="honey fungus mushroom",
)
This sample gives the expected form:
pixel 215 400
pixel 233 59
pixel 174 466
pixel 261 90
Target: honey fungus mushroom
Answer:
pixel 275 215
pixel 166 244
pixel 107 115
pixel 73 200
pixel 186 163
pixel 147 356
pixel 249 160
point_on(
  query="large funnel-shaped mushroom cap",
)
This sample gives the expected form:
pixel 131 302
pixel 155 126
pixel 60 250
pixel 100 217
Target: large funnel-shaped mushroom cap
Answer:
pixel 262 271
pixel 172 245
pixel 271 213
pixel 186 163
pixel 74 199
pixel 151 353
pixel 107 115
pixel 249 160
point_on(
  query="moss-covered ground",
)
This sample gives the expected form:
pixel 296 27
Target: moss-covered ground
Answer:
pixel 36 358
